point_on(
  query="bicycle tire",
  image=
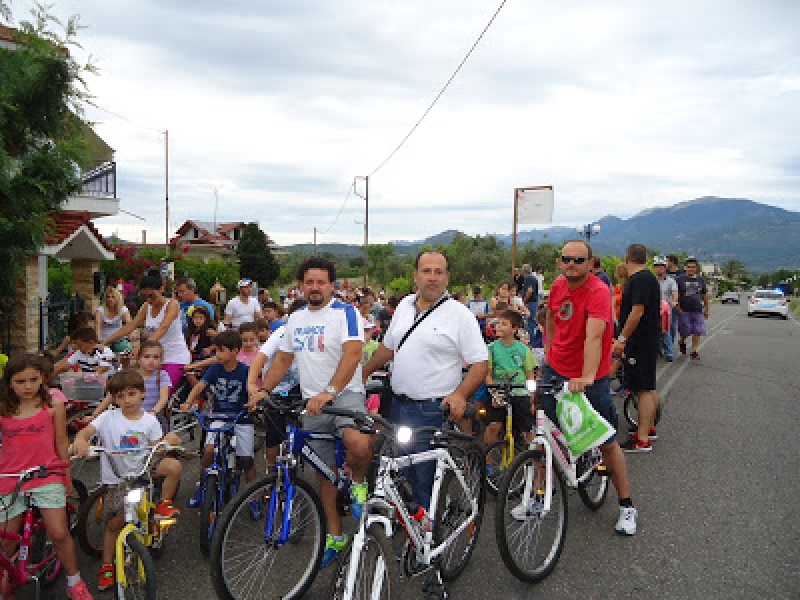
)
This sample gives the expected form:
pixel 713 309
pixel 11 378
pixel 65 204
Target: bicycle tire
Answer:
pixel 74 502
pixel 138 564
pixel 453 505
pixel 241 549
pixel 494 456
pixel 528 530
pixel 44 563
pixel 209 515
pixel 90 525
pixel 377 556
pixel 630 408
pixel 593 491
pixel 86 470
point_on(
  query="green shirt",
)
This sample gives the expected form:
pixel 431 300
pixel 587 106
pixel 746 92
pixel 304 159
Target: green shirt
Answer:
pixel 516 359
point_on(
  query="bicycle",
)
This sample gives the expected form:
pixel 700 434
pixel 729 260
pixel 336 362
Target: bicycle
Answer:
pixel 630 408
pixel 500 454
pixel 250 560
pixel 143 535
pixel 220 481
pixel 531 511
pixel 35 560
pixel 442 540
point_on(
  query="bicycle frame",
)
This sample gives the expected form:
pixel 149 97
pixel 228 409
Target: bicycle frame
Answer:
pixel 224 448
pixel 295 445
pixel 18 572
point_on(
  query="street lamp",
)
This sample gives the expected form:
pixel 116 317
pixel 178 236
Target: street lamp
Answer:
pixel 588 231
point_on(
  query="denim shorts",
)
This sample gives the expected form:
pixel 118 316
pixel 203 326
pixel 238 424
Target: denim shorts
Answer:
pixel 332 424
pixel 49 495
pixel 599 395
pixel 691 323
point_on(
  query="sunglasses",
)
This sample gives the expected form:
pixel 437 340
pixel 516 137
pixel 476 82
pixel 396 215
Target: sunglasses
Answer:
pixel 578 260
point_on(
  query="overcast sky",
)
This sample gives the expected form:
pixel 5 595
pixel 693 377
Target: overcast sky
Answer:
pixel 620 105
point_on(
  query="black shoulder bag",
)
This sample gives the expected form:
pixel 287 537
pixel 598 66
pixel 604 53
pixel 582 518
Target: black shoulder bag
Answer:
pixel 421 318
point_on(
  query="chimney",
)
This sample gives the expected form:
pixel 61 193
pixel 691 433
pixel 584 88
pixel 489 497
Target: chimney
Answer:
pixel 144 237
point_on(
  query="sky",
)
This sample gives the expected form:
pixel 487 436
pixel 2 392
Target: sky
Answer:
pixel 620 105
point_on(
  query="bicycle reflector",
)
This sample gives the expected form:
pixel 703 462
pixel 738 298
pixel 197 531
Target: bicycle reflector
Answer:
pixel 403 435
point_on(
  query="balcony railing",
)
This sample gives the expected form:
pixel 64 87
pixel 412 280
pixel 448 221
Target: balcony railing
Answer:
pixel 101 181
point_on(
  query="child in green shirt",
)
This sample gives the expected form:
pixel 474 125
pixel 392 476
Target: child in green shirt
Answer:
pixel 508 356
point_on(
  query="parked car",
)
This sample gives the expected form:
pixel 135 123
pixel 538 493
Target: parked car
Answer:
pixel 768 302
pixel 732 297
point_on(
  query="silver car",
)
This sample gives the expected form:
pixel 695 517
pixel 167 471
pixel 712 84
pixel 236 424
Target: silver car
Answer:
pixel 768 302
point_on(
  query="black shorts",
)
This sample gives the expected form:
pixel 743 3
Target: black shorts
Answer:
pixel 641 359
pixel 520 410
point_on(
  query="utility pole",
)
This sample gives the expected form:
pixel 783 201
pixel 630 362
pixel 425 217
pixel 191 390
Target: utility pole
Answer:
pixel 166 190
pixel 315 241
pixel 366 222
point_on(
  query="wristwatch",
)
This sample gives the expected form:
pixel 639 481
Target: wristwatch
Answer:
pixel 331 390
pixel 622 339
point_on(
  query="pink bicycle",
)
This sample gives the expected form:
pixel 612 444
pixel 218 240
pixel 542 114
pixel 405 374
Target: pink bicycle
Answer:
pixel 34 560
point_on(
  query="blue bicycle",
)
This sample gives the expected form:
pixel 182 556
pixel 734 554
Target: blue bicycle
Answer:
pixel 281 556
pixel 220 481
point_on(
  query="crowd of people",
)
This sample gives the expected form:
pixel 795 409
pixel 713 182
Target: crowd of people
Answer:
pixel 328 340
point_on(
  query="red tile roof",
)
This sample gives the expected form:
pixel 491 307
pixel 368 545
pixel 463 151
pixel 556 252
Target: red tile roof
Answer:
pixel 66 222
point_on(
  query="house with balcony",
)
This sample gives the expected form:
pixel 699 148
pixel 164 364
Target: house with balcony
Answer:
pixel 72 236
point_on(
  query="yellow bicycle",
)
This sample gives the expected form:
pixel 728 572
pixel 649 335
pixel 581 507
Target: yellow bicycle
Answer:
pixel 500 454
pixel 142 535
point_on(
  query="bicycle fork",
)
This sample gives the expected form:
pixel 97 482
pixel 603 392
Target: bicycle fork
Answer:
pixel 530 476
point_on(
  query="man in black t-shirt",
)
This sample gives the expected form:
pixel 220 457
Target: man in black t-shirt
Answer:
pixel 639 341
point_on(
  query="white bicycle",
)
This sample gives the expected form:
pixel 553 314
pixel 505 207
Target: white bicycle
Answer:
pixel 442 539
pixel 531 510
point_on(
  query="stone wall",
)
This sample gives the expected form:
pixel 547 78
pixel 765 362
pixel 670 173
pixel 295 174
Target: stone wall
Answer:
pixel 25 329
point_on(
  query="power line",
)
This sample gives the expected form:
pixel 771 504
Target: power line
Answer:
pixel 126 119
pixel 341 208
pixel 441 92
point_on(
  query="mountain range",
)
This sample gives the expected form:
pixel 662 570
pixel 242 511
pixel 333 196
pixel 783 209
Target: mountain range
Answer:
pixel 765 238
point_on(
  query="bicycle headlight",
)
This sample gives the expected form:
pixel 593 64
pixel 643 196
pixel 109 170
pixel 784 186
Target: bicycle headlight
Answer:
pixel 531 385
pixel 403 435
pixel 134 496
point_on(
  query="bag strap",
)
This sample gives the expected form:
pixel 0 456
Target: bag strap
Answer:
pixel 421 318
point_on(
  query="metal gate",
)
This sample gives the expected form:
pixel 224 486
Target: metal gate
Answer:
pixel 54 314
pixel 6 320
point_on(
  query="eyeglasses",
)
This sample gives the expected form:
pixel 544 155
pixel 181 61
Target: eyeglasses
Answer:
pixel 578 260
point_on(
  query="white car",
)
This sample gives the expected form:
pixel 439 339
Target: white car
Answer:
pixel 768 302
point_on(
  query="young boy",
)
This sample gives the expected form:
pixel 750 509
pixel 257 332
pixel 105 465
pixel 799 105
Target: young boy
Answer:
pixel 227 380
pixel 88 356
pixel 480 308
pixel 128 428
pixel 508 356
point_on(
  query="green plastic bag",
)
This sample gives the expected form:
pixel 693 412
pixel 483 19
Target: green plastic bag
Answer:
pixel 583 427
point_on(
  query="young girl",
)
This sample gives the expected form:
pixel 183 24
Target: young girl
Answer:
pixel 200 335
pixel 249 333
pixel 157 382
pixel 34 433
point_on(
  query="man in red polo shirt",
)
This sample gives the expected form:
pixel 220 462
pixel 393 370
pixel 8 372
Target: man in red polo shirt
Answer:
pixel 580 331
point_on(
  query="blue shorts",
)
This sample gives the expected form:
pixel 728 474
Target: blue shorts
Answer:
pixel 599 394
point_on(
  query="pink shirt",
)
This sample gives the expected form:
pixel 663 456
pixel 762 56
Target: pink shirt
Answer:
pixel 27 443
pixel 246 357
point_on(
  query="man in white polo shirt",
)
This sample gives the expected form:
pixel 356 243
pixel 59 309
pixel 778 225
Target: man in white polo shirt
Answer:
pixel 243 308
pixel 325 339
pixel 427 367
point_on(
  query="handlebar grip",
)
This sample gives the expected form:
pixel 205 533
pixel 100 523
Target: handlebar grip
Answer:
pixel 469 411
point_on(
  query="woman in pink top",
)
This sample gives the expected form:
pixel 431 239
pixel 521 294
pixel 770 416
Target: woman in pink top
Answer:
pixel 34 433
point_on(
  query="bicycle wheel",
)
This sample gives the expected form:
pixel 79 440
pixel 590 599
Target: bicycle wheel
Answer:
pixel 86 470
pixel 497 465
pixel 593 490
pixel 90 526
pixel 140 572
pixel 43 560
pixel 530 543
pixel 454 506
pixel 210 513
pixel 377 571
pixel 630 408
pixel 247 561
pixel 74 502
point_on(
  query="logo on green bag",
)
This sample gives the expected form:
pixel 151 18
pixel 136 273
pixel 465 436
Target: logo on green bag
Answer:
pixel 571 417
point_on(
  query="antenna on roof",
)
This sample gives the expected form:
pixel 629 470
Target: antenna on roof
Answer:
pixel 216 204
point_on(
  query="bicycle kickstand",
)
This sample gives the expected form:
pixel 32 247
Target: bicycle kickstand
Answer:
pixel 434 588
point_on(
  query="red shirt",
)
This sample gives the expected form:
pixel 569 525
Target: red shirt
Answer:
pixel 28 442
pixel 571 309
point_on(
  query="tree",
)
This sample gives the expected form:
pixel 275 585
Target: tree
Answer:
pixel 42 145
pixel 733 269
pixel 256 261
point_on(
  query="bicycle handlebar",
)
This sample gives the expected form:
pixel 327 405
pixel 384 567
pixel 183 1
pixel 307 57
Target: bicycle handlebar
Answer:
pixel 151 450
pixel 204 419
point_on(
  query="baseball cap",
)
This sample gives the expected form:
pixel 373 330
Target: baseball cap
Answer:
pixel 244 282
pixel 658 260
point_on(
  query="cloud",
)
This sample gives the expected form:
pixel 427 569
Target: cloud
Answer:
pixel 620 106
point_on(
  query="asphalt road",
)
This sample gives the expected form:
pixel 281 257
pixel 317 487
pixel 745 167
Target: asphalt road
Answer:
pixel 717 497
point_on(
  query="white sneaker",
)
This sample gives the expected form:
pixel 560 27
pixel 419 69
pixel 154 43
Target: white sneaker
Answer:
pixel 522 513
pixel 626 524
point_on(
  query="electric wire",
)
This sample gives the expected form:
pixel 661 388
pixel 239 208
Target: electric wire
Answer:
pixel 441 92
pixel 338 214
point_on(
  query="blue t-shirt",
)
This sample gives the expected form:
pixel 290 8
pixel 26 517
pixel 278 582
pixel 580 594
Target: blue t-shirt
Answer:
pixel 229 388
pixel 185 306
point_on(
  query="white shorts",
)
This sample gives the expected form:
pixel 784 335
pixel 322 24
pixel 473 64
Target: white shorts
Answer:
pixel 244 437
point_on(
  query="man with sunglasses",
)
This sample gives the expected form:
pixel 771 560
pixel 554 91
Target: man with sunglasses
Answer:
pixel 579 332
